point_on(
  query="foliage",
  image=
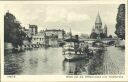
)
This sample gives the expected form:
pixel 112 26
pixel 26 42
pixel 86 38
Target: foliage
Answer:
pixel 120 25
pixel 13 30
pixel 93 35
pixel 102 35
pixel 110 36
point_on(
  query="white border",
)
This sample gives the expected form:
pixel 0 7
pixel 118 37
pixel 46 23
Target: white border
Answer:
pixel 39 78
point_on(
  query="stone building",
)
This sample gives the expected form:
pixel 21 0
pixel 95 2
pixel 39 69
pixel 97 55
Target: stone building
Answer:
pixel 55 33
pixel 45 37
pixel 40 38
pixel 98 29
pixel 26 31
pixel 33 29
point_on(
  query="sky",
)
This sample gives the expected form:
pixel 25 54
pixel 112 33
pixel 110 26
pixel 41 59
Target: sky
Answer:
pixel 79 17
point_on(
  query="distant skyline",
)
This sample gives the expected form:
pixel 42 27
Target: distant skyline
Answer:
pixel 79 17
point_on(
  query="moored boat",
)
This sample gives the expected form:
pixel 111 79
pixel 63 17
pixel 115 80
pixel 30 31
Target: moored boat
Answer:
pixel 75 49
pixel 98 46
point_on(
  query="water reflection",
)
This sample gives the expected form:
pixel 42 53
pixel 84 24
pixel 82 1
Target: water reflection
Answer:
pixel 96 62
pixel 50 61
pixel 76 67
pixel 13 63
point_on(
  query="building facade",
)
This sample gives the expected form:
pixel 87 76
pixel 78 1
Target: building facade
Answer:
pixel 40 38
pixel 33 29
pixel 98 29
pixel 48 37
pixel 55 33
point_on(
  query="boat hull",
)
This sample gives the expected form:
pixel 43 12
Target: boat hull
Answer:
pixel 71 56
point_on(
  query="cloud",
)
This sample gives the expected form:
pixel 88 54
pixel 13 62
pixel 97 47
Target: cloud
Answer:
pixel 72 16
pixel 26 15
pixel 58 14
pixel 79 17
pixel 55 14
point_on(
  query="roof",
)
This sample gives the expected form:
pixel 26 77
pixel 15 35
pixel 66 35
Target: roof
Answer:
pixel 32 26
pixel 71 40
pixel 53 30
pixel 98 19
pixel 105 26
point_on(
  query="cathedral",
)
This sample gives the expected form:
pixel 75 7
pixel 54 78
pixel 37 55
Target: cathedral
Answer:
pixel 98 29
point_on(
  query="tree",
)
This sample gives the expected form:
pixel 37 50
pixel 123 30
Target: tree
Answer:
pixel 13 30
pixel 120 25
pixel 110 36
pixel 93 35
pixel 102 35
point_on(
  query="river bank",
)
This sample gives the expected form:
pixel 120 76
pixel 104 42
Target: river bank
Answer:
pixel 41 61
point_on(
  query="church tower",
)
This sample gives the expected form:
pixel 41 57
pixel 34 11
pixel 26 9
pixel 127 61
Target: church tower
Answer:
pixel 105 30
pixel 98 22
pixel 98 31
pixel 70 33
pixel 93 30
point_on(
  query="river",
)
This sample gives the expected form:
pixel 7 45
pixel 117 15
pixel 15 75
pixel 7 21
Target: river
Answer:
pixel 50 61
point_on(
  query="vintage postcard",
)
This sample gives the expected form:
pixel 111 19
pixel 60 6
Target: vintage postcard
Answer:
pixel 63 41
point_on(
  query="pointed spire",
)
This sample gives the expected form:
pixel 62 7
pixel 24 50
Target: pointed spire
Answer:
pixel 70 30
pixel 93 29
pixel 105 26
pixel 7 11
pixel 105 29
pixel 98 19
pixel 70 33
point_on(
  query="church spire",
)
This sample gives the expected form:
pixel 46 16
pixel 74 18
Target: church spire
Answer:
pixel 70 33
pixel 93 29
pixel 105 30
pixel 98 19
pixel 105 26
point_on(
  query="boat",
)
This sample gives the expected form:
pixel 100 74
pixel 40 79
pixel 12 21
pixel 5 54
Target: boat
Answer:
pixel 75 49
pixel 61 43
pixel 98 45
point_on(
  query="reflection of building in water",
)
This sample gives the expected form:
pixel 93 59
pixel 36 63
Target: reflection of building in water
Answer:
pixel 77 67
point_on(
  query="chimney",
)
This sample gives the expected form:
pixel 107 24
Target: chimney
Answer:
pixel 77 37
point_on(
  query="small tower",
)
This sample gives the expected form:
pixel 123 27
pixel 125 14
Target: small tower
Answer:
pixel 70 33
pixel 105 30
pixel 93 29
pixel 98 22
pixel 33 29
pixel 7 11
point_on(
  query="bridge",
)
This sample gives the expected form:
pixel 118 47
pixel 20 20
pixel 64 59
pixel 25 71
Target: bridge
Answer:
pixel 105 40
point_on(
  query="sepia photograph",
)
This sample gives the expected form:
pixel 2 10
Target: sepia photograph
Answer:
pixel 64 39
